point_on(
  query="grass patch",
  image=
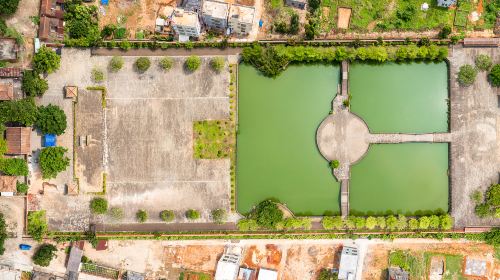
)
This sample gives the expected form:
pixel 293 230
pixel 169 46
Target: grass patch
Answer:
pixel 213 139
pixel 276 3
pixel 453 265
pixel 411 262
pixel 461 18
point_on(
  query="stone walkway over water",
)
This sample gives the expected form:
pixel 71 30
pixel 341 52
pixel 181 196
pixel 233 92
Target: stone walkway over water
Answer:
pixel 345 137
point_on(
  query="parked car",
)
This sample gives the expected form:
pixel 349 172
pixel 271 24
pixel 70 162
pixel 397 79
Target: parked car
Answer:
pixel 24 247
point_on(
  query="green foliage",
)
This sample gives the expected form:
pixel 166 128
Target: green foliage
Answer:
pixel 313 4
pixel 294 224
pixel 424 223
pixel 98 205
pixel 14 166
pixel 360 222
pixel 97 75
pixel 219 216
pixel 8 7
pixel 446 222
pixel 166 63
pixel 494 75
pixel 493 195
pixel 82 24
pixel 407 261
pixel 483 62
pixel 167 215
pixel 142 64
pixel 37 225
pixel 434 222
pixel 116 213
pixel 193 63
pixel 46 60
pixel 467 75
pixel 332 223
pixel 33 85
pixel 213 139
pixel 402 222
pixel 51 119
pixel 217 63
pixel 477 196
pixel 445 32
pixel 371 223
pixel 267 214
pixel 125 45
pixel 413 224
pixel 141 216
pixel 23 111
pixel 326 274
pixel 193 214
pixel 273 60
pixel 108 30
pixel 493 237
pixel 247 225
pixel 3 233
pixel 350 223
pixel 22 188
pixel 334 164
pixel 120 33
pixel 381 222
pixel 391 222
pixel 53 161
pixel 44 255
pixel 491 201
pixel 482 210
pixel 116 63
pixel 311 29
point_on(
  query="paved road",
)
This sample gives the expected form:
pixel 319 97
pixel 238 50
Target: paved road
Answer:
pixel 167 52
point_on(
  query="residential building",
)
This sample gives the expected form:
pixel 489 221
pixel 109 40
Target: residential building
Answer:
pixel 8 49
pixel 9 72
pixel 18 140
pixel 192 5
pixel 300 4
pixel 51 20
pixel 186 24
pixel 164 19
pixel 475 267
pixel 247 274
pixel 52 8
pixel 8 185
pixel 241 19
pixel 229 264
pixel 446 3
pixel 348 263
pixel 214 14
pixel 6 91
pixel 267 274
pixel 397 273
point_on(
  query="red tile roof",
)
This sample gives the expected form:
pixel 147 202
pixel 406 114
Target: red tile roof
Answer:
pixel 18 140
pixel 10 72
pixel 6 91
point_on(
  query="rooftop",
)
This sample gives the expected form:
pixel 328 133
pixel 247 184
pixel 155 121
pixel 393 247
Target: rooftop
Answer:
pixel 74 261
pixel 8 183
pixel 6 91
pixel 348 263
pixel 267 274
pixel 8 49
pixel 18 140
pixel 228 265
pixel 243 13
pixel 397 273
pixel 185 18
pixel 474 267
pixel 10 72
pixel 215 9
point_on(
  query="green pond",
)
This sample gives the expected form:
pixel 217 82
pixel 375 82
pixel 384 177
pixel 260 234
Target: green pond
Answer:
pixel 403 178
pixel 277 156
pixel 406 98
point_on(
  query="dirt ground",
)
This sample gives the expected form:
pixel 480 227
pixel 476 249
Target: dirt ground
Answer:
pixel 344 18
pixel 133 14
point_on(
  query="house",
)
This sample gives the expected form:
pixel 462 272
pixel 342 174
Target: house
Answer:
pixel 8 185
pixel 52 8
pixel 163 20
pixel 9 72
pixel 300 4
pixel 348 263
pixel 214 14
pixel 8 49
pixel 267 274
pixel 397 273
pixel 192 5
pixel 74 262
pixel 446 3
pixel 475 267
pixel 247 274
pixel 229 264
pixel 240 19
pixel 6 91
pixel 51 28
pixel 18 140
pixel 186 24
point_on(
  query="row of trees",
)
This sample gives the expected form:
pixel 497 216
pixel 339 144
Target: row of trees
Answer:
pixel 488 205
pixel 44 61
pixel 142 64
pixel 272 60
pixel 467 73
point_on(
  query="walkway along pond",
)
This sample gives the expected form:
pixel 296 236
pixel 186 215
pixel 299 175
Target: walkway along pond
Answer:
pixel 402 178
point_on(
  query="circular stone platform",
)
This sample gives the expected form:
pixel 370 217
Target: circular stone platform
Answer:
pixel 343 136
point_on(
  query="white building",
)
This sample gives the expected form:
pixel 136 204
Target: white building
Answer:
pixel 229 264
pixel 214 14
pixel 267 274
pixel 241 19
pixel 348 263
pixel 186 24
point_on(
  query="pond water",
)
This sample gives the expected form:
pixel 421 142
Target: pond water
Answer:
pixel 277 155
pixel 406 98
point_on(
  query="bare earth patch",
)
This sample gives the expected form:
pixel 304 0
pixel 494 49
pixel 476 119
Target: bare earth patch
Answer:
pixel 344 17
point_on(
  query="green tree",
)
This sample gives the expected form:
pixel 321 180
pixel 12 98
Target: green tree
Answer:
pixel 193 63
pixel 371 223
pixel 247 225
pixel 108 30
pixel 434 222
pixel 294 23
pixel 482 210
pixel 3 233
pixel 167 215
pixel 493 237
pixel 116 213
pixel 391 222
pixel 52 161
pixel 193 214
pixel 360 222
pixel 3 144
pixel 23 111
pixel 424 222
pixel 22 188
pixel 445 32
pixel 44 255
pixel 142 64
pixel 402 222
pixel 477 196
pixel 446 222
pixel 381 222
pixel 334 164
pixel 493 195
pixel 217 63
pixel 141 216
pixel 37 225
pixel 483 62
pixel 166 63
pixel 14 166
pixel 33 85
pixel 314 4
pixel 326 274
pixel 332 223
pixel 350 223
pixel 467 75
pixel 413 224
pixel 8 7
pixel 51 120
pixel 219 216
pixel 494 75
pixel 46 60
pixel 116 63
pixel 99 205
pixel 267 214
